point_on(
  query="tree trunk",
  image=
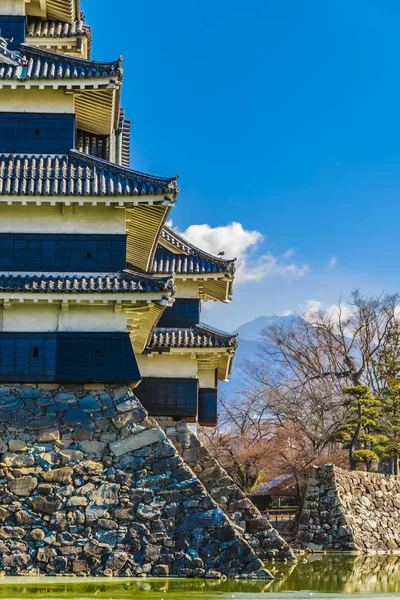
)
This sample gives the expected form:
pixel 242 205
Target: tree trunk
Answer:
pixel 354 442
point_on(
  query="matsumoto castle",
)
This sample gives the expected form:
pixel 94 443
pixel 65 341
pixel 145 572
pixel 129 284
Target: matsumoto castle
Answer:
pixel 94 287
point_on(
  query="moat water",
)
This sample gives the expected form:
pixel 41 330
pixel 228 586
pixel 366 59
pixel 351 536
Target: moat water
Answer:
pixel 329 576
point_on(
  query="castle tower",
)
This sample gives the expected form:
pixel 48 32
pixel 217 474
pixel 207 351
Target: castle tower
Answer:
pixel 185 360
pixel 76 224
pixel 90 484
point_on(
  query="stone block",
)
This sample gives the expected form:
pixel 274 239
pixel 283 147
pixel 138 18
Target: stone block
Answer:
pixel 137 441
pixel 22 486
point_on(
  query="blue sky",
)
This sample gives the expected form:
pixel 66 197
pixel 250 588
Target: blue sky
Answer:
pixel 280 115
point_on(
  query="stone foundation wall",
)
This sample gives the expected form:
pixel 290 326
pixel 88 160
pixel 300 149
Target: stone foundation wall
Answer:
pixel 91 486
pixel 262 537
pixel 350 510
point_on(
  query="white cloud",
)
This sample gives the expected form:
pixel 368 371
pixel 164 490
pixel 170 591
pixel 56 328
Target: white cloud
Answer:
pixel 333 262
pixel 332 311
pixel 235 241
pixel 289 253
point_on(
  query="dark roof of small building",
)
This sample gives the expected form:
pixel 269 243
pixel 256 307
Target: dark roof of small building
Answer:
pixel 191 260
pixel 283 485
pixel 34 63
pixel 76 174
pixel 122 282
pixel 198 336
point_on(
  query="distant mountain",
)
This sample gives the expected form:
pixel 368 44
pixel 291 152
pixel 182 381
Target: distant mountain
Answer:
pixel 252 330
pixel 249 349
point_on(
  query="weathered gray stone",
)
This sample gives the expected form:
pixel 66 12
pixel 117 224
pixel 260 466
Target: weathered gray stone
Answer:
pixel 136 441
pixel 63 475
pixel 18 460
pixel 107 513
pixel 92 447
pixel 22 486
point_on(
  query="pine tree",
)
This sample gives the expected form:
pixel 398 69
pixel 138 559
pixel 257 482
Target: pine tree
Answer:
pixel 387 366
pixel 362 430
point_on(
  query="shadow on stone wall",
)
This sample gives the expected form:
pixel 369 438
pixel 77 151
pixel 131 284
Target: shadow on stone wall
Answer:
pixel 262 537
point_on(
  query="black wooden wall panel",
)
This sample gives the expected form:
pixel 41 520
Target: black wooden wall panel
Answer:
pixel 62 252
pixel 183 313
pixel 14 29
pixel 27 357
pixel 35 133
pixel 208 406
pixel 78 357
pixel 164 396
pixel 96 357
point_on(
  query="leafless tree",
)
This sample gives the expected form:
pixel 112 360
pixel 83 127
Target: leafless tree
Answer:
pixel 308 361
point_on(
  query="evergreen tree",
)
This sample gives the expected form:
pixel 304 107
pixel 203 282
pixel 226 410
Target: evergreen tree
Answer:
pixel 387 366
pixel 362 430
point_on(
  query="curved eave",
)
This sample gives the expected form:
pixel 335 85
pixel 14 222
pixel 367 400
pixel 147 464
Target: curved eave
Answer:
pixel 79 177
pixel 177 243
pixel 124 282
pixel 35 65
pixel 211 348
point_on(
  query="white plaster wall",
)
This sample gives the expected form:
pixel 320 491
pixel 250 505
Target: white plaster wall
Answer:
pixel 92 318
pixel 30 317
pixel 35 100
pixel 12 7
pixel 207 378
pixel 50 219
pixel 187 289
pixel 50 317
pixel 166 365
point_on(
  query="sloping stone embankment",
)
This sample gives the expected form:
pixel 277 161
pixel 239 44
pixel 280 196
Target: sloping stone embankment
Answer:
pixel 262 537
pixel 91 486
pixel 350 511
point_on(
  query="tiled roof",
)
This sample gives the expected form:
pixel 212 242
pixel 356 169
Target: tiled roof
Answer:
pixel 39 64
pixel 76 174
pixel 7 56
pixel 191 260
pixel 121 282
pixel 57 29
pixel 198 336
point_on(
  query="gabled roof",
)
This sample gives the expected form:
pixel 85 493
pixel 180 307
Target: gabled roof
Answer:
pixel 76 174
pixel 187 259
pixel 198 336
pixel 39 64
pixel 122 282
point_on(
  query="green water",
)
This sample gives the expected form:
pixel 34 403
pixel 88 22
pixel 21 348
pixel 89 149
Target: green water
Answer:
pixel 329 576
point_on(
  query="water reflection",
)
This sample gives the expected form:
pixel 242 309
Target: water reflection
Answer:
pixel 339 574
pixel 122 589
pixel 330 574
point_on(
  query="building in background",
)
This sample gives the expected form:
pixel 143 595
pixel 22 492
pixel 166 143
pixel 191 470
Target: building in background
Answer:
pixel 94 288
